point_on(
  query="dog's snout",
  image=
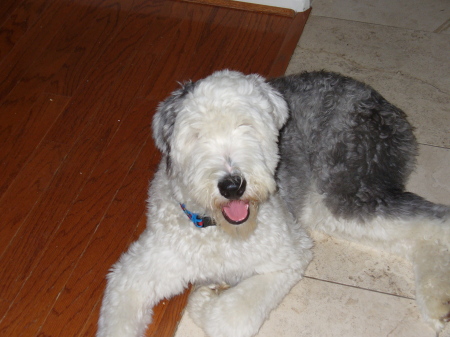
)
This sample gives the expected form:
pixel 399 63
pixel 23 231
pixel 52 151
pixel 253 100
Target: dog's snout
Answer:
pixel 232 187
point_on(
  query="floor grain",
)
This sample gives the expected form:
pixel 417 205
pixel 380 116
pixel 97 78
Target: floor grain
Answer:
pixel 80 81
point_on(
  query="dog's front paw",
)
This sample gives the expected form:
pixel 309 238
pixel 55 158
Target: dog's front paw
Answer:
pixel 198 300
pixel 223 313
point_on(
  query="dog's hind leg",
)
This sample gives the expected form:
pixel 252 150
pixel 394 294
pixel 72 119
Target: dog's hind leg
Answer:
pixel 409 226
pixel 239 311
pixel 138 281
pixel 432 271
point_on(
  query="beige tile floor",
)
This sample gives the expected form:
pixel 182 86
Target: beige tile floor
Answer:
pixel 401 48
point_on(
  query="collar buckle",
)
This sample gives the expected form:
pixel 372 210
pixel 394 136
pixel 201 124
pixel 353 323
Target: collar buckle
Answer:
pixel 198 220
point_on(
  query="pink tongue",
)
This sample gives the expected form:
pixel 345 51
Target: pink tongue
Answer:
pixel 236 210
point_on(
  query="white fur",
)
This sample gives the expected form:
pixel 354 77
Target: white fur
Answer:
pixel 425 242
pixel 228 124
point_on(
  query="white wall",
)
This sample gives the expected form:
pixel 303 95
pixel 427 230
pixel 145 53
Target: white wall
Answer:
pixel 296 5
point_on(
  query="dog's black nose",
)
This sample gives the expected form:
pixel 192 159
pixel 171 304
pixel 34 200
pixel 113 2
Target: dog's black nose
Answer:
pixel 232 187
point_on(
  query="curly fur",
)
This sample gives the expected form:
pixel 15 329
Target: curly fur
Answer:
pixel 316 150
pixel 360 149
pixel 346 154
pixel 227 124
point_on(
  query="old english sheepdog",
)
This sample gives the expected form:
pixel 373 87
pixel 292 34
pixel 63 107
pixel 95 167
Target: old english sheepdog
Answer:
pixel 247 165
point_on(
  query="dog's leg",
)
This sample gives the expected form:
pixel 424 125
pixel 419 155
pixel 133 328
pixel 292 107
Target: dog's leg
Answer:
pixel 240 311
pixel 431 260
pixel 417 230
pixel 426 243
pixel 137 282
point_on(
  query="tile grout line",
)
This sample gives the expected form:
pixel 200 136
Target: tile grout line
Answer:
pixel 441 28
pixel 438 30
pixel 360 288
pixel 434 146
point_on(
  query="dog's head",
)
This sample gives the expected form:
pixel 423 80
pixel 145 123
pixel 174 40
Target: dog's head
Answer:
pixel 219 137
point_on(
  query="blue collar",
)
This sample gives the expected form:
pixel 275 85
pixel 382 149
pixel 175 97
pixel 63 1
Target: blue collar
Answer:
pixel 198 220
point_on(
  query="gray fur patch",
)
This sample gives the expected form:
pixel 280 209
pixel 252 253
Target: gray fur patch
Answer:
pixel 344 140
pixel 166 114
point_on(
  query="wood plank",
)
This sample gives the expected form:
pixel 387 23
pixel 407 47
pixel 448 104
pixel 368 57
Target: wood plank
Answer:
pixel 106 21
pixel 220 36
pixel 115 102
pixel 287 48
pixel 68 130
pixel 214 34
pixel 66 43
pixel 44 285
pixel 19 22
pixel 79 169
pixel 109 240
pixel 6 8
pixel 90 323
pixel 255 8
pixel 21 139
pixel 21 196
pixel 69 179
pixel 252 59
pixel 32 44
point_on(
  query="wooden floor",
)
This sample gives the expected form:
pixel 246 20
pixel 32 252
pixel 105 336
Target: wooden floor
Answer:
pixel 79 82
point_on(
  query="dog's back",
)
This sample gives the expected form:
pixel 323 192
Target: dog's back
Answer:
pixel 356 147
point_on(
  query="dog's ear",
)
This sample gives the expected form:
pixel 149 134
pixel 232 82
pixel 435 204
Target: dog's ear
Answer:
pixel 280 112
pixel 165 116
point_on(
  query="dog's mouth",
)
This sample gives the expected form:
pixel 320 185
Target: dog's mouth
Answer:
pixel 236 211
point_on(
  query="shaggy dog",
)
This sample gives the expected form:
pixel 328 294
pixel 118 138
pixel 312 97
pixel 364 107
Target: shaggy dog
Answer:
pixel 232 194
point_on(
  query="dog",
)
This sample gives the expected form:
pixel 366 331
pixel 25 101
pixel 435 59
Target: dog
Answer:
pixel 248 167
